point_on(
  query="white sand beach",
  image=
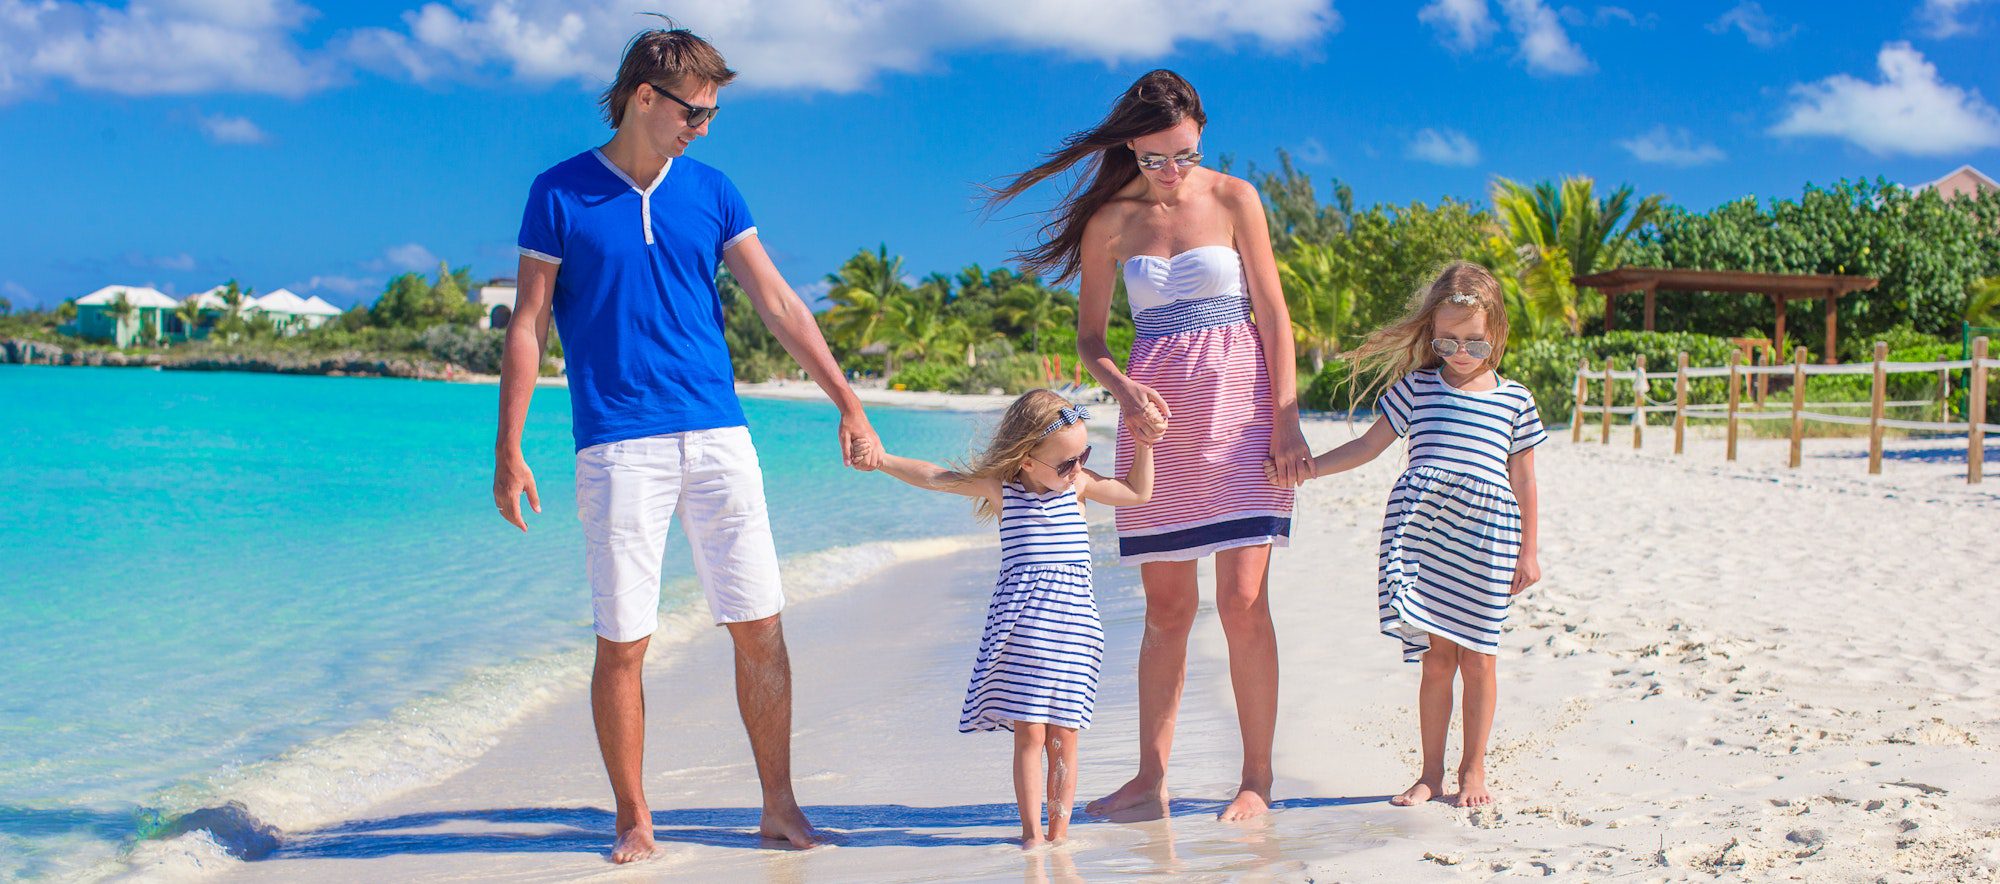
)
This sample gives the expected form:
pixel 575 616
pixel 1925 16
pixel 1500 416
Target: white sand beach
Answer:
pixel 1730 670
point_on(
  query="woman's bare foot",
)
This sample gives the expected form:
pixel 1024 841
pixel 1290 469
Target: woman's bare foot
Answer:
pixel 635 844
pixel 1032 840
pixel 1472 789
pixel 787 823
pixel 1137 792
pixel 1424 790
pixel 1250 803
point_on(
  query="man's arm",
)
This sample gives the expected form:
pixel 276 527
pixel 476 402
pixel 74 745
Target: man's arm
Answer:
pixel 520 366
pixel 788 319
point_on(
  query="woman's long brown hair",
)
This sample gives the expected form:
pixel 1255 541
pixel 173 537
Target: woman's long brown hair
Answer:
pixel 1159 101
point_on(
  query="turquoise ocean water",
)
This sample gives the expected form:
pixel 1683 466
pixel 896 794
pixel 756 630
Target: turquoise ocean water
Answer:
pixel 201 573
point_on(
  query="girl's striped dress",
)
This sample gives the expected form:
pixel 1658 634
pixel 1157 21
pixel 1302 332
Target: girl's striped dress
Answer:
pixel 1453 530
pixel 1198 348
pixel 1044 644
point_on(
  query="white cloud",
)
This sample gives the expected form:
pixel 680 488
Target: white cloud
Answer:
pixel 345 286
pixel 406 258
pixel 1910 111
pixel 820 45
pixel 1940 18
pixel 1604 16
pixel 1675 147
pixel 159 47
pixel 16 294
pixel 1545 46
pixel 182 261
pixel 1311 152
pixel 1447 147
pixel 1757 26
pixel 225 129
pixel 1462 25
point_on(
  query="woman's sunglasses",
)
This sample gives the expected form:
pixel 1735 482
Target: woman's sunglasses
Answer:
pixel 696 114
pixel 1068 467
pixel 1446 348
pixel 1153 162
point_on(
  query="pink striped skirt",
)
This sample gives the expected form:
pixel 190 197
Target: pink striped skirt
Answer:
pixel 1209 491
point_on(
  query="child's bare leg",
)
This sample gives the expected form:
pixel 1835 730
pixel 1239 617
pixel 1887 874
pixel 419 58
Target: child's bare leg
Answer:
pixel 1482 691
pixel 1434 720
pixel 1028 740
pixel 1062 779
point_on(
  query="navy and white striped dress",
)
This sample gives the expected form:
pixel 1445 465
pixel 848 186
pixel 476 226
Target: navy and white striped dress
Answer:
pixel 1044 644
pixel 1453 530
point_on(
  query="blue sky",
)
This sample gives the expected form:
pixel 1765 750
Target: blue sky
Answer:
pixel 326 147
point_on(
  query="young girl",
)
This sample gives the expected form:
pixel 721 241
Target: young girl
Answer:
pixel 1036 673
pixel 1459 538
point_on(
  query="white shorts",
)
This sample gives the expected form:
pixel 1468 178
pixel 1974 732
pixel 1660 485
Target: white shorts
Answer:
pixel 628 491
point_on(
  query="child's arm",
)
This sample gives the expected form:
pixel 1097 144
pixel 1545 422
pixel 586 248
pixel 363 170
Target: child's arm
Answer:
pixel 1377 439
pixel 1521 475
pixel 931 477
pixel 1135 488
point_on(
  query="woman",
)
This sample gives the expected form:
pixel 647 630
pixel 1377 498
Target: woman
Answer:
pixel 1211 381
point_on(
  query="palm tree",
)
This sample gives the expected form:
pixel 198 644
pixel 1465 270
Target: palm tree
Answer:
pixel 1318 297
pixel 861 292
pixel 1561 230
pixel 65 312
pixel 1982 303
pixel 1031 307
pixel 918 324
pixel 189 314
pixel 121 311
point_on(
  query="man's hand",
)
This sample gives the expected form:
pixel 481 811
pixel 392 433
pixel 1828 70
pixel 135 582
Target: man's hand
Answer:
pixel 511 479
pixel 860 448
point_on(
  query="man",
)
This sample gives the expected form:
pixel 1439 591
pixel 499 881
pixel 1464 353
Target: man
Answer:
pixel 620 244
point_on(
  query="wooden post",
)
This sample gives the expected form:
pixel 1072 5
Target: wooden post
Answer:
pixel 1582 396
pixel 1608 298
pixel 1830 357
pixel 1604 431
pixel 1768 356
pixel 1735 395
pixel 1639 403
pixel 1975 413
pixel 1651 290
pixel 1875 410
pixel 1798 405
pixel 1680 401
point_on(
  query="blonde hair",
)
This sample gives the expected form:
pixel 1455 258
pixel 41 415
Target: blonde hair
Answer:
pixel 1404 346
pixel 1023 427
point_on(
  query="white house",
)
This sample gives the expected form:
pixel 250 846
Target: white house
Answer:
pixel 496 302
pixel 97 319
pixel 287 311
pixel 318 312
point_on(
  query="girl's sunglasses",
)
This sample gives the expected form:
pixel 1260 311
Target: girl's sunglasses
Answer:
pixel 1446 348
pixel 1068 467
pixel 696 114
pixel 1153 162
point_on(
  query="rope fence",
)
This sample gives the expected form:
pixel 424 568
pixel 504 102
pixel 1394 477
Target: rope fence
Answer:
pixel 1640 403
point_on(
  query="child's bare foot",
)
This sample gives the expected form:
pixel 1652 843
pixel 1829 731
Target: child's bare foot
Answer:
pixel 786 822
pixel 1137 792
pixel 1425 789
pixel 1472 789
pixel 635 844
pixel 1250 802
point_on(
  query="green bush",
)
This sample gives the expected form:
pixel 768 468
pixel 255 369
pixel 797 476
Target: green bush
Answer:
pixel 928 376
pixel 476 349
pixel 1013 374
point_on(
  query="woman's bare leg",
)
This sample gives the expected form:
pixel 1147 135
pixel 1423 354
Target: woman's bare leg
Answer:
pixel 1172 597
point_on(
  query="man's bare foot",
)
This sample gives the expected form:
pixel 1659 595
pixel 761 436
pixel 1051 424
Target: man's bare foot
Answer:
pixel 1137 792
pixel 1424 790
pixel 1472 789
pixel 787 823
pixel 635 844
pixel 1250 803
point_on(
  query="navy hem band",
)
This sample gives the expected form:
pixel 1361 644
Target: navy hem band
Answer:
pixel 1205 535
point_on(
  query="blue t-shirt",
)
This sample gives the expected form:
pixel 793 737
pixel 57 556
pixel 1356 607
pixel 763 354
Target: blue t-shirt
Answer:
pixel 635 299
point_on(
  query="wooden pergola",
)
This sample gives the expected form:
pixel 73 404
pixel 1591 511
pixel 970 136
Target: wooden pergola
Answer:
pixel 1781 288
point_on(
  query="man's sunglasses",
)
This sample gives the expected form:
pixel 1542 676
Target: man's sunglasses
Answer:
pixel 1068 467
pixel 696 115
pixel 1153 162
pixel 1446 348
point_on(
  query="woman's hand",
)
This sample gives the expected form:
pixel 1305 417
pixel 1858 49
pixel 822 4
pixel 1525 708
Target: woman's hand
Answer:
pixel 1527 572
pixel 1291 459
pixel 1146 413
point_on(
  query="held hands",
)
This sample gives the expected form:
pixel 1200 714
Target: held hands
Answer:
pixel 1291 461
pixel 860 448
pixel 1146 414
pixel 1527 572
pixel 511 479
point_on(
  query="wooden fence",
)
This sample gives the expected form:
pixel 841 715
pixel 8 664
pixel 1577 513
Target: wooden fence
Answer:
pixel 1975 427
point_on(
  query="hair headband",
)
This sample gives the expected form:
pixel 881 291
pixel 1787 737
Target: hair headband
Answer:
pixel 1462 299
pixel 1069 415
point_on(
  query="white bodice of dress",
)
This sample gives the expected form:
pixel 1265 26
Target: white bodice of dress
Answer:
pixel 1201 272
